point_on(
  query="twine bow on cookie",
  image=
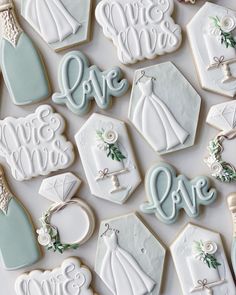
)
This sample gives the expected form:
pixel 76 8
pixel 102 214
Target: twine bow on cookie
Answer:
pixel 204 284
pixel 219 60
pixel 103 173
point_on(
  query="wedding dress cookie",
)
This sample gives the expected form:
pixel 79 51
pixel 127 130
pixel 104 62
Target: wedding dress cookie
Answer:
pixel 164 108
pixel 71 278
pixel 34 145
pixel 201 263
pixel 212 33
pixel 139 29
pixel 57 232
pixel 108 158
pixel 22 67
pixel 129 258
pixel 61 23
pixel 169 193
pixel 18 245
pixel 80 84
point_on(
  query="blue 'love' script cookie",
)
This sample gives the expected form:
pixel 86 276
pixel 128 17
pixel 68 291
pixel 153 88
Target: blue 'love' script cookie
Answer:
pixel 168 193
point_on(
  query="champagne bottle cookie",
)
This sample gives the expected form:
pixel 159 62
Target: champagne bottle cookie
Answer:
pixel 22 67
pixel 18 245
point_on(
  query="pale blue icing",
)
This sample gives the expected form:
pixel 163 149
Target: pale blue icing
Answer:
pixel 168 193
pixel 18 245
pixel 23 71
pixel 80 84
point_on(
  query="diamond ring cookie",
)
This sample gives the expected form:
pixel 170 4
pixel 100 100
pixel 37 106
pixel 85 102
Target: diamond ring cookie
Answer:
pixel 21 64
pixel 201 263
pixel 108 159
pixel 71 278
pixel 222 117
pixel 18 245
pixel 211 34
pixel 168 193
pixel 139 29
pixel 164 108
pixel 60 23
pixel 81 83
pixel 129 258
pixel 34 145
pixel 56 232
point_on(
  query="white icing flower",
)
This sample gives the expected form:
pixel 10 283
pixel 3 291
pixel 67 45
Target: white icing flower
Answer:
pixel 110 136
pixel 44 238
pixel 209 247
pixel 227 23
pixel 101 145
pixel 216 168
pixel 213 30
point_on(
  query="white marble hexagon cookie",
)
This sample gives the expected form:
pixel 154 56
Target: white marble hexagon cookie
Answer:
pixel 164 108
pixel 139 29
pixel 108 158
pixel 71 278
pixel 201 263
pixel 129 258
pixel 61 23
pixel 212 33
pixel 35 145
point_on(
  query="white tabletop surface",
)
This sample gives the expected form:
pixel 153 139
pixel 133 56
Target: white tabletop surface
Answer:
pixel 188 161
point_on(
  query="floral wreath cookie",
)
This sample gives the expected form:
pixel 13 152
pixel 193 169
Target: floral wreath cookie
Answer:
pixel 60 189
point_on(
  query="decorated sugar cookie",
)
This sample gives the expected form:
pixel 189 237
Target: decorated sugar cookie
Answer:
pixel 222 117
pixel 71 278
pixel 107 158
pixel 201 263
pixel 61 189
pixel 34 145
pixel 139 29
pixel 21 64
pixel 126 252
pixel 80 84
pixel 232 207
pixel 212 36
pixel 18 244
pixel 60 23
pixel 164 108
pixel 168 193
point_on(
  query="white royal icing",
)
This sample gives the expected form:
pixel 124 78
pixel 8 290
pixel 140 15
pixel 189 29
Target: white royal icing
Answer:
pixel 139 29
pixel 108 178
pixel 216 63
pixel 34 145
pixel 195 276
pixel 121 273
pixel 51 19
pixel 71 278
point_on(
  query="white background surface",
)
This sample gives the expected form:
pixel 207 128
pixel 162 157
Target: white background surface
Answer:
pixel 189 161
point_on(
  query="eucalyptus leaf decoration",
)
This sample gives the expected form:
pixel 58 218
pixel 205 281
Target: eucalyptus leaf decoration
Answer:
pixel 108 142
pixel 221 169
pixel 48 236
pixel 204 251
pixel 225 37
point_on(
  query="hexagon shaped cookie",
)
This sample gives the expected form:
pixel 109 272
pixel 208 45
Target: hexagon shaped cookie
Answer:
pixel 129 257
pixel 201 262
pixel 61 23
pixel 164 108
pixel 211 34
pixel 108 158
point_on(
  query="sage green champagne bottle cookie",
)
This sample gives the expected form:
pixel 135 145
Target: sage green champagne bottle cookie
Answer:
pixel 18 244
pixel 22 67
